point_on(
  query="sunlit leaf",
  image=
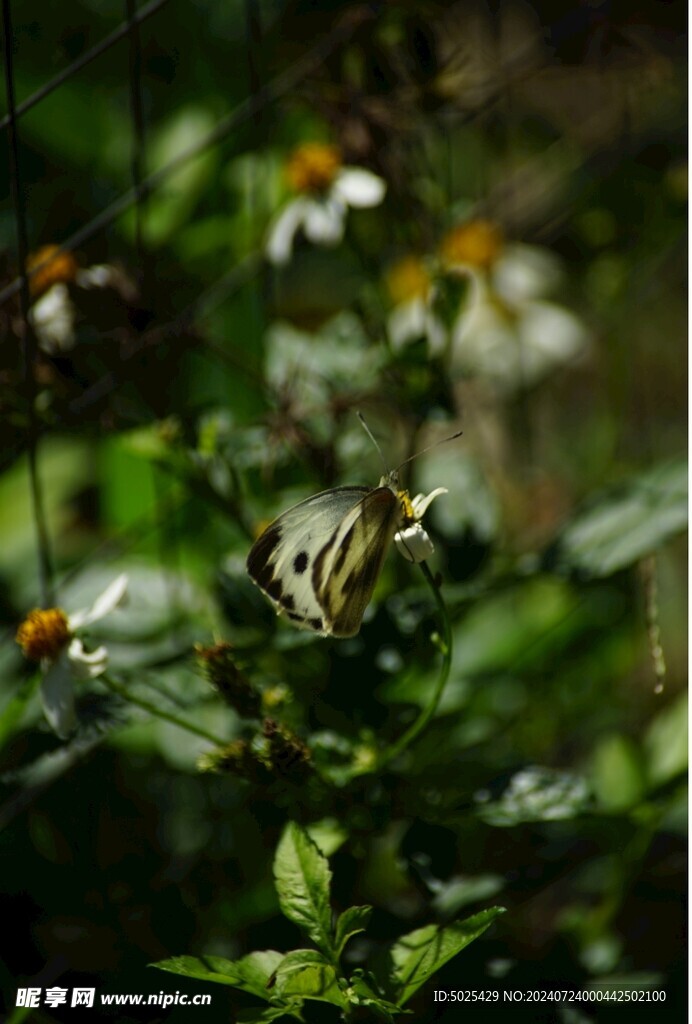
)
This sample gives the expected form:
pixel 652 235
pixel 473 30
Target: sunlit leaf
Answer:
pixel 536 794
pixel 625 524
pixel 303 882
pixel 307 974
pixel 417 956
pixel 350 923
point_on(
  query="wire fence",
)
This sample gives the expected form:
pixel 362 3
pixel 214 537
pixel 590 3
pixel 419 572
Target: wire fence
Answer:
pixel 143 184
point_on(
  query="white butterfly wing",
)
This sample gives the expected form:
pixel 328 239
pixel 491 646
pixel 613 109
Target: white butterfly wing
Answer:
pixel 348 566
pixel 282 559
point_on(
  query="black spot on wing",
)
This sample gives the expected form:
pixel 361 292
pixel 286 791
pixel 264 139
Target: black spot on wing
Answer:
pixel 300 562
pixel 288 603
pixel 294 617
pixel 315 624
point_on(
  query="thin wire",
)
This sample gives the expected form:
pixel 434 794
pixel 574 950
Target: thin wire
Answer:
pixel 29 344
pixel 138 138
pixel 269 93
pixel 81 62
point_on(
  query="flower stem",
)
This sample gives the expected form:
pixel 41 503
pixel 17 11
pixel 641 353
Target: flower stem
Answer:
pixel 444 643
pixel 155 710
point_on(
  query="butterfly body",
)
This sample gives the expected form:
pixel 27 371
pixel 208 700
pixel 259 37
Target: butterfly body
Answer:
pixel 319 561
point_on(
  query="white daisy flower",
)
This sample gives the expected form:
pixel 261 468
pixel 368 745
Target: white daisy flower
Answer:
pixel 508 331
pixel 49 636
pixel 325 190
pixel 413 541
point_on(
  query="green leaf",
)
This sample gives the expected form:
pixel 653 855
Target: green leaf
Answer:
pixel 418 955
pixel 306 973
pixel 250 974
pixel 617 775
pixel 303 879
pixel 624 525
pixel 361 992
pixel 328 834
pixel 666 742
pixel 13 711
pixel 452 895
pixel 350 923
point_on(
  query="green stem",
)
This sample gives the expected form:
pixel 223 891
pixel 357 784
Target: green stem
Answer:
pixel 445 645
pixel 153 709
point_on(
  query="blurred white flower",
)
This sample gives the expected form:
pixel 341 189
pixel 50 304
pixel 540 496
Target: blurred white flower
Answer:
pixel 508 331
pixel 53 317
pixel 49 636
pixel 410 289
pixel 55 281
pixel 413 541
pixel 325 190
pixel 52 313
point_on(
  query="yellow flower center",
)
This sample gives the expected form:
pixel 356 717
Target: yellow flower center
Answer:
pixel 58 267
pixel 407 507
pixel 44 633
pixel 478 243
pixel 312 167
pixel 407 279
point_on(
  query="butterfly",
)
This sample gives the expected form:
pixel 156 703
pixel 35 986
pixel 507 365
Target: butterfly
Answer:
pixel 318 563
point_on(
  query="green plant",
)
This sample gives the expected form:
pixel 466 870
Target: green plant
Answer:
pixel 286 981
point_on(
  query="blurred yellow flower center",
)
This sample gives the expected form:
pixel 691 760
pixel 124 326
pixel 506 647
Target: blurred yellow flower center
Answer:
pixel 312 167
pixel 478 243
pixel 44 633
pixel 408 279
pixel 58 267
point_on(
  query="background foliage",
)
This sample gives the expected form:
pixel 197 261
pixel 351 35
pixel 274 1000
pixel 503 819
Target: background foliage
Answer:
pixel 205 390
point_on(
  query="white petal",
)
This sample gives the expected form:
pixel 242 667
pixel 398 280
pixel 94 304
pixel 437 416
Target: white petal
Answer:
pixel 324 221
pixel 358 187
pixel 525 272
pixel 414 543
pixel 86 665
pixel 58 697
pixel 279 246
pixel 421 502
pixel 103 605
pixel 52 317
pixel 553 333
pixel 407 322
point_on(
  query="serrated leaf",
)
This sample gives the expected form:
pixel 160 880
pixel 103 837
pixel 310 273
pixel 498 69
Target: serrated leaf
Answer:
pixel 250 974
pixel 350 923
pixel 417 956
pixel 624 525
pixel 306 974
pixel 303 882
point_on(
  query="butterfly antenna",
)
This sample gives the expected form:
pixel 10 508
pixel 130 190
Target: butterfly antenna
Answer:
pixel 429 448
pixel 370 434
